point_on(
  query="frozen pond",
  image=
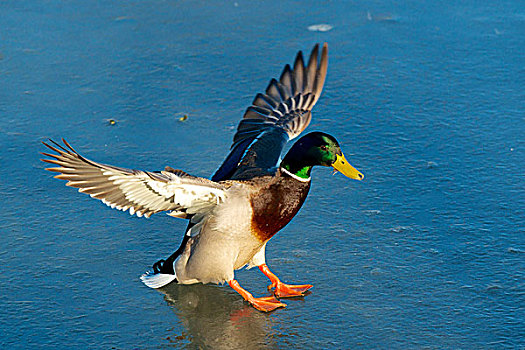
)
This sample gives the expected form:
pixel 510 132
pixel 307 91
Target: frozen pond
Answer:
pixel 427 100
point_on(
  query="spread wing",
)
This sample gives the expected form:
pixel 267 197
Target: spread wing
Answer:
pixel 276 116
pixel 141 192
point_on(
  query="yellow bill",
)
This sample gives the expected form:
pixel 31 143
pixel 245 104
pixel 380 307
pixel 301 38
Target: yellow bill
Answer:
pixel 342 165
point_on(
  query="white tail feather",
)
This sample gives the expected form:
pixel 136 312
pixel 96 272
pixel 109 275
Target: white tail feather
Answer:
pixel 156 280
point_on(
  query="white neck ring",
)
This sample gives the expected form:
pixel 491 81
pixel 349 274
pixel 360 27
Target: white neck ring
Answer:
pixel 295 176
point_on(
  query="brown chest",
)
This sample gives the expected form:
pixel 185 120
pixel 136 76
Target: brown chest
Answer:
pixel 275 205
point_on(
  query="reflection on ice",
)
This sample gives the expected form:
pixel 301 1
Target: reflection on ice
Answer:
pixel 217 318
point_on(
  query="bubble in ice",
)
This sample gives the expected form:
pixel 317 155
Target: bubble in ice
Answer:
pixel 320 27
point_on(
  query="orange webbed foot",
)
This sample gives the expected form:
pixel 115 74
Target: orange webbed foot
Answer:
pixel 266 304
pixel 283 290
pixel 289 290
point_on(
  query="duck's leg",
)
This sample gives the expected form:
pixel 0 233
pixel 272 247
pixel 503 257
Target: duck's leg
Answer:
pixel 282 290
pixel 265 304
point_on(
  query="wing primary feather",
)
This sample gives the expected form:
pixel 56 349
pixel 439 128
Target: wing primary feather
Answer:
pixel 311 68
pixel 287 80
pixel 299 72
pixel 320 75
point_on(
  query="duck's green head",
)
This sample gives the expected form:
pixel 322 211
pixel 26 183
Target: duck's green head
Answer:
pixel 317 148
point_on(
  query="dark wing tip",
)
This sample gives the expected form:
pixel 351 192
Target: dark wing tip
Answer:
pixel 299 57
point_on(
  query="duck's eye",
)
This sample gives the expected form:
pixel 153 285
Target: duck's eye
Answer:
pixel 324 148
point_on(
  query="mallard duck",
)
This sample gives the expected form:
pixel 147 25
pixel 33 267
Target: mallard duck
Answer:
pixel 250 197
